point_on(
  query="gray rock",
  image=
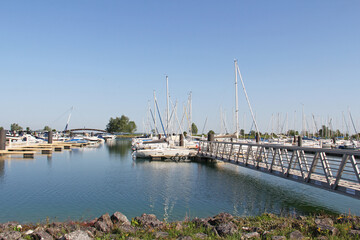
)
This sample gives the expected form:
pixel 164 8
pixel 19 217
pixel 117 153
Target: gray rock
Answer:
pixel 161 234
pixel 221 218
pixel 278 238
pixel 296 235
pixel 333 230
pixel 106 219
pixel 77 235
pixel 201 222
pixel 226 229
pixel 102 227
pixel 118 217
pixel 41 235
pixel 251 235
pixel 127 229
pixel 354 232
pixel 324 221
pixel 13 235
pixel 54 231
pixel 201 235
pixel 149 220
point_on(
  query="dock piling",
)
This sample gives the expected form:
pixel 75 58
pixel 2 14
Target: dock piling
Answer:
pixel 50 140
pixel 299 141
pixel 181 140
pixel 2 139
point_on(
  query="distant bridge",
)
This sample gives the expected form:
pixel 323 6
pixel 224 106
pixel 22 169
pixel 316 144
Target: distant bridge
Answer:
pixel 86 129
pixel 331 169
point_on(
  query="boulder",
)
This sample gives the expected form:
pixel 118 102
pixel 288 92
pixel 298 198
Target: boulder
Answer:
pixel 324 221
pixel 12 235
pixel 161 235
pixel 278 238
pixel 119 218
pixel 228 228
pixel 104 223
pixel 201 235
pixel 251 235
pixel 149 220
pixel 296 235
pixel 41 235
pixel 355 233
pixel 220 219
pixel 184 238
pixel 127 229
pixel 77 235
pixel 332 230
pixel 102 227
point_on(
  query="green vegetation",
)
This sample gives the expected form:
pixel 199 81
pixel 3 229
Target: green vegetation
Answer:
pixel 1 128
pixel 15 127
pixel 47 129
pixel 194 129
pixel 121 124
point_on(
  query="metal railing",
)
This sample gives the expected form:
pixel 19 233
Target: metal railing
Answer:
pixel 331 169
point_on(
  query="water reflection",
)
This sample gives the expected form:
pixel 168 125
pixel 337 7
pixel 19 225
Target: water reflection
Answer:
pixel 2 169
pixel 120 147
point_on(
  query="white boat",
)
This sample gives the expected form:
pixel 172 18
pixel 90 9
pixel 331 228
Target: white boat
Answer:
pixel 176 154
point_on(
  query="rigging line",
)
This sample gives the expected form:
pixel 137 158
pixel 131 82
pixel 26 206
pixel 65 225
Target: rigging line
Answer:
pixel 63 114
pixel 177 119
pixel 152 115
pixel 162 125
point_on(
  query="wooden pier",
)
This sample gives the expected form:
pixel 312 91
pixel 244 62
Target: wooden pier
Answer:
pixel 30 150
pixel 334 170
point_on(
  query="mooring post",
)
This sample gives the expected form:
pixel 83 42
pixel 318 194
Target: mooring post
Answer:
pixel 2 139
pixel 294 140
pixel 50 137
pixel 181 142
pixel 211 137
pixel 257 138
pixel 299 141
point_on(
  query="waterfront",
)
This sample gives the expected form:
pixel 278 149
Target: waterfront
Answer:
pixel 86 182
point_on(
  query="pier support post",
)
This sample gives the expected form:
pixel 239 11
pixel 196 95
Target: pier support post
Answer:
pixel 2 139
pixel 299 141
pixel 50 137
pixel 211 137
pixel 181 141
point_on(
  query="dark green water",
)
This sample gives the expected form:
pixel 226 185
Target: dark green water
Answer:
pixel 85 183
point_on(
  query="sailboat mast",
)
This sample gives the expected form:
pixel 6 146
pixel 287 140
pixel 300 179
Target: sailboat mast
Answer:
pixel 248 101
pixel 155 127
pixel 236 103
pixel 67 123
pixel 167 104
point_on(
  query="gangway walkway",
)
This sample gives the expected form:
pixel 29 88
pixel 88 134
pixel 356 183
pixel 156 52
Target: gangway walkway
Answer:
pixel 331 169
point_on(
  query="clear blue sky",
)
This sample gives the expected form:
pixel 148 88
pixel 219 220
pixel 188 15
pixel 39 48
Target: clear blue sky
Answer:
pixel 105 58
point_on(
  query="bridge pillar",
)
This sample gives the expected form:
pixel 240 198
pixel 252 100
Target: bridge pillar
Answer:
pixel 50 139
pixel 299 141
pixel 2 139
pixel 181 140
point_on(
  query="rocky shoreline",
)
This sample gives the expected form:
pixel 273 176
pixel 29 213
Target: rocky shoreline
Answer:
pixel 221 226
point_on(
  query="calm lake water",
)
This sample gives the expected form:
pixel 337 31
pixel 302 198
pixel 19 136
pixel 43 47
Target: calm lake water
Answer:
pixel 84 183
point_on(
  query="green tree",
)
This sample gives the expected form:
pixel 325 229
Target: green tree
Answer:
pixel 28 130
pixel 211 132
pixel 194 129
pixel 15 127
pixel 47 129
pixel 121 124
